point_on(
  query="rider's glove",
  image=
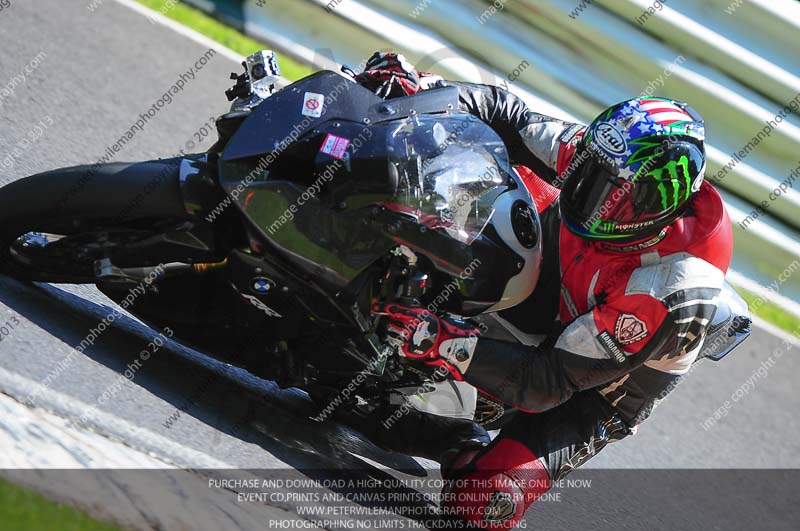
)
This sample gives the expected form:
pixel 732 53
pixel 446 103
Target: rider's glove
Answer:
pixel 438 341
pixel 389 75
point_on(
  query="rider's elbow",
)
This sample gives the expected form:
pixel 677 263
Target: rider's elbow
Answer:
pixel 534 401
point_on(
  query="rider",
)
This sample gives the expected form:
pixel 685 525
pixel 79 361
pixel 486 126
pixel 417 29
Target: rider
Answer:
pixel 636 247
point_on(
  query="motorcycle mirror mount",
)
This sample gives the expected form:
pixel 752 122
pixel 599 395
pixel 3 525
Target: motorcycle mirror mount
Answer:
pixel 242 87
pixel 261 75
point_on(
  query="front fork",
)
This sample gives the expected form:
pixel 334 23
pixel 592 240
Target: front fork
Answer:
pixel 203 197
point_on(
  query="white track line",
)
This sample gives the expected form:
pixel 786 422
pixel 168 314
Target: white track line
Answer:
pixel 158 18
pixel 115 482
pixel 109 425
pixel 37 439
pixel 769 295
pixel 773 330
pixel 177 27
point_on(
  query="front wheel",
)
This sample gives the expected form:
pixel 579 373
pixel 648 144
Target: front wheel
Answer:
pixel 55 225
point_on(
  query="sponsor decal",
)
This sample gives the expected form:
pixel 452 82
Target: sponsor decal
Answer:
pixel 630 329
pixel 611 346
pixel 261 306
pixel 570 133
pixel 633 226
pixel 603 156
pixel 636 247
pixel 335 146
pixel 571 307
pixel 313 104
pixel 610 138
pixel 501 508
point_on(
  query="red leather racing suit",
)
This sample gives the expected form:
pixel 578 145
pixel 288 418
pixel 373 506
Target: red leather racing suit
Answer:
pixel 630 321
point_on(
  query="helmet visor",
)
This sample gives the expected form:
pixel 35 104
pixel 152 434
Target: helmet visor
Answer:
pixel 601 201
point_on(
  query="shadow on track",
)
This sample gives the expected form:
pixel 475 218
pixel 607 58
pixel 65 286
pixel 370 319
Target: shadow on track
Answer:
pixel 227 399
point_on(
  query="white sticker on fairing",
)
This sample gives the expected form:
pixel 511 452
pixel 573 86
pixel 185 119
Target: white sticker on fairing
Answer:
pixel 313 104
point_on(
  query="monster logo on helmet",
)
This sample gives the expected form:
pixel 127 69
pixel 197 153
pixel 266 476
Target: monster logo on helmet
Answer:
pixel 640 163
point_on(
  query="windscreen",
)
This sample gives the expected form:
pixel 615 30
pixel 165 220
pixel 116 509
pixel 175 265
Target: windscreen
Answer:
pixel 444 171
pixel 450 171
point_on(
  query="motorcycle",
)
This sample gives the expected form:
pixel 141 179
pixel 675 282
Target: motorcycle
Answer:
pixel 270 250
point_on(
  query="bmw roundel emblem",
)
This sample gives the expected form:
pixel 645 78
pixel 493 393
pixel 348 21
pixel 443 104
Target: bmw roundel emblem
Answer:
pixel 262 285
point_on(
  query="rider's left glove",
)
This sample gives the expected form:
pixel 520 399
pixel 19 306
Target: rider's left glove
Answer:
pixel 438 341
pixel 389 75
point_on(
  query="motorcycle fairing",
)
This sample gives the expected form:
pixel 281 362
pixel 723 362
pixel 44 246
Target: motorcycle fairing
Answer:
pixel 379 193
pixel 280 117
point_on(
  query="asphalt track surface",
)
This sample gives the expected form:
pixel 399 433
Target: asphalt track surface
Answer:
pixel 100 72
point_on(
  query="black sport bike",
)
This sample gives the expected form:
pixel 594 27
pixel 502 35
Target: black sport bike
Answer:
pixel 269 251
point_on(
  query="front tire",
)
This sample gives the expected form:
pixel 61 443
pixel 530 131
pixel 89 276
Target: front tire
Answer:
pixel 122 198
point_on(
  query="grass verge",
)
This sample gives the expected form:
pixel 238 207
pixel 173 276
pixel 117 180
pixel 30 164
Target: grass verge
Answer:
pixel 25 510
pixel 222 33
pixel 770 312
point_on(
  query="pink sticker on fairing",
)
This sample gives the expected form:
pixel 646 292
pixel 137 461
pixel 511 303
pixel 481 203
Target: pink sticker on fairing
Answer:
pixel 335 146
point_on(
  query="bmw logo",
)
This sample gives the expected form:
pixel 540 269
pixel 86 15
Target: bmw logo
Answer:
pixel 262 285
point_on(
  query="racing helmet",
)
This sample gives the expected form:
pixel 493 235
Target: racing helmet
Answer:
pixel 635 170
